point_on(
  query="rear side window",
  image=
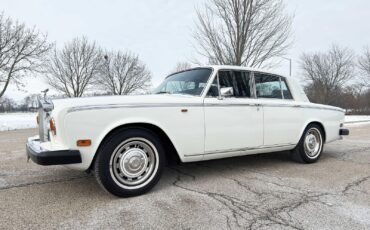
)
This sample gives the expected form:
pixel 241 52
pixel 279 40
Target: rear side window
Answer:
pixel 238 80
pixel 268 86
pixel 286 91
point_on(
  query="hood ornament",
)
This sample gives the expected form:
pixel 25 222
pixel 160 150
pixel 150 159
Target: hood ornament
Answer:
pixel 45 103
pixel 45 92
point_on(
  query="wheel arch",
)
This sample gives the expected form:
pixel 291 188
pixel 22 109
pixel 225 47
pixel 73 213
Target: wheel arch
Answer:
pixel 170 149
pixel 320 124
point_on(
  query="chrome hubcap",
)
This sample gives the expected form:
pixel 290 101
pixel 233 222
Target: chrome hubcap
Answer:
pixel 134 163
pixel 313 143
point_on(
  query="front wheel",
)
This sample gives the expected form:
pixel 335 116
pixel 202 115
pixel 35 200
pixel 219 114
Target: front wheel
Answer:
pixel 310 146
pixel 130 162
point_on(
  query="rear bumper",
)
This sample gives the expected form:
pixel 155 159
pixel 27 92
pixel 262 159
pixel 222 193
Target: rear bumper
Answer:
pixel 343 132
pixel 51 157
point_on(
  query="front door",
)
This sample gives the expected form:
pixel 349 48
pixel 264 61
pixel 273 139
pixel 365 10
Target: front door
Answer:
pixel 232 124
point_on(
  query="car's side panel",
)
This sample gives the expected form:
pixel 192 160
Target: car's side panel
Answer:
pixel 282 121
pixel 185 129
pixel 232 123
pixel 329 119
pixel 209 129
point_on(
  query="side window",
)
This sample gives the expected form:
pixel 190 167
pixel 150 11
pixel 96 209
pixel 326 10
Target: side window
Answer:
pixel 238 80
pixel 286 91
pixel 213 90
pixel 267 86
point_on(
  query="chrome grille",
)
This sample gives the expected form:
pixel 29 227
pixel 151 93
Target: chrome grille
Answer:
pixel 43 125
pixel 45 107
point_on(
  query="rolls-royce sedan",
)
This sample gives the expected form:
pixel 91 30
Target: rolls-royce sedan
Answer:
pixel 194 115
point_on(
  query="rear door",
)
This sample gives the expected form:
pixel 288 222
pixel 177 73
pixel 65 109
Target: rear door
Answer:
pixel 282 118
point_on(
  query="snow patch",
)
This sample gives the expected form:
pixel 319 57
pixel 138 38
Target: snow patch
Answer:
pixel 354 120
pixel 12 121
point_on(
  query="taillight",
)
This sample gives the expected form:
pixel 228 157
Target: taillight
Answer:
pixel 38 119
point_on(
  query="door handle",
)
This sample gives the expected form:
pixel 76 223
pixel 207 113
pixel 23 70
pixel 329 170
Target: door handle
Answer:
pixel 258 106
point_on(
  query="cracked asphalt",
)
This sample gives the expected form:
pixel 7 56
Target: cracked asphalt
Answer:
pixel 266 191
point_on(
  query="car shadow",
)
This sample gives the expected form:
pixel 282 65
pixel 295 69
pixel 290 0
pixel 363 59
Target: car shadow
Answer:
pixel 204 169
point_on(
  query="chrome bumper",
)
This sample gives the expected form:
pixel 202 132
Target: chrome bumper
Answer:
pixel 41 156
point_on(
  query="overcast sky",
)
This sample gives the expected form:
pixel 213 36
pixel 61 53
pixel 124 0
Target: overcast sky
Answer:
pixel 160 30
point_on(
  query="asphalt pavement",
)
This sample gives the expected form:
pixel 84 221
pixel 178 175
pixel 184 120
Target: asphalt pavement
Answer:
pixel 266 191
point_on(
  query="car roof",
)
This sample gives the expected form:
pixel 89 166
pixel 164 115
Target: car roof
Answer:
pixel 233 67
pixel 295 87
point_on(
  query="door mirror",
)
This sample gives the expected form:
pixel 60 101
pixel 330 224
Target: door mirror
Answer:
pixel 227 92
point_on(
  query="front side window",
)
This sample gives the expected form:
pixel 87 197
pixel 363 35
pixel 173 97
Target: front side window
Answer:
pixel 267 86
pixel 190 82
pixel 238 80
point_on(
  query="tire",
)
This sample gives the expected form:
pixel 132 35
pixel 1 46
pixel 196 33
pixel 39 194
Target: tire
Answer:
pixel 130 162
pixel 310 145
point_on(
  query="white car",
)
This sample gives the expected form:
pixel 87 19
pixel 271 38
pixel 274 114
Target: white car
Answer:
pixel 195 115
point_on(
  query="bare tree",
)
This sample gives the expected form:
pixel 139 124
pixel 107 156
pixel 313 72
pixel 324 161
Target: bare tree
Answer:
pixel 123 73
pixel 7 104
pixel 243 32
pixel 364 64
pixel 180 66
pixel 327 73
pixel 74 69
pixel 21 52
pixel 30 102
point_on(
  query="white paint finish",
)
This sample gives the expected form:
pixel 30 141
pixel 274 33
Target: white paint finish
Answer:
pixel 282 121
pixel 232 123
pixel 211 128
pixel 185 130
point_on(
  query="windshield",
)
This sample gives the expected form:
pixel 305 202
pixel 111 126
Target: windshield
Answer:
pixel 190 82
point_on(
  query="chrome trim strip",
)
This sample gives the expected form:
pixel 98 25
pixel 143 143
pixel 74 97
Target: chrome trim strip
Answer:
pixel 281 89
pixel 269 105
pixel 252 85
pixel 170 105
pixel 313 107
pixel 238 150
pixel 230 105
pixel 136 105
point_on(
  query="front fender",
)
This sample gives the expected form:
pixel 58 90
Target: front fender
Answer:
pixel 185 130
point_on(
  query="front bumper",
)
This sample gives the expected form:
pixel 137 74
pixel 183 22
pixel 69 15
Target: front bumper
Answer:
pixel 42 156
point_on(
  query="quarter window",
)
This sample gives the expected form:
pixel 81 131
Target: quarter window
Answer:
pixel 286 91
pixel 238 80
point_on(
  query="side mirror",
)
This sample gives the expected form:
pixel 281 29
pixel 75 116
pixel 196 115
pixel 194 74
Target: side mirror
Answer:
pixel 227 92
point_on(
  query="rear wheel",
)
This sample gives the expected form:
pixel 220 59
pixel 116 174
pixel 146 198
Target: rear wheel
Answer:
pixel 310 146
pixel 130 162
